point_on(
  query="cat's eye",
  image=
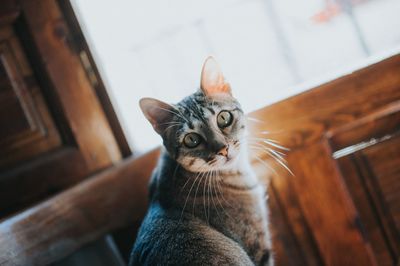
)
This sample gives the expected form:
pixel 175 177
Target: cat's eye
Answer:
pixel 224 119
pixel 192 140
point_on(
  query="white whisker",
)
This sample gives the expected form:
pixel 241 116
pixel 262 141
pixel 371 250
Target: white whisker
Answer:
pixel 195 194
pixel 217 192
pixel 265 164
pixel 270 142
pixel 216 195
pixel 222 196
pixel 204 199
pixel 270 151
pixel 276 157
pixel 190 190
pixel 208 195
pixel 252 119
pixel 222 192
pixel 170 127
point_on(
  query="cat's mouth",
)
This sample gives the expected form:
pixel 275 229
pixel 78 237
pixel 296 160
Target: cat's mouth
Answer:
pixel 215 162
pixel 223 162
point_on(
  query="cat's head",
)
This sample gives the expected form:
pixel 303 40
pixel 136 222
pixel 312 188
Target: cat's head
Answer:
pixel 205 130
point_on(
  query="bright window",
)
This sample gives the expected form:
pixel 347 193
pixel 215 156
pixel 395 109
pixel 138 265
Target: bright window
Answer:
pixel 267 48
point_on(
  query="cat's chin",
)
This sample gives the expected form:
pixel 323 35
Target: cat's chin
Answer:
pixel 222 164
pixel 226 164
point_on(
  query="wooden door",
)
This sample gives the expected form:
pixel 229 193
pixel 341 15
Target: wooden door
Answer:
pixel 53 128
pixel 341 206
pixel 368 155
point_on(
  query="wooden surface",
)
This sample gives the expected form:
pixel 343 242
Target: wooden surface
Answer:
pixel 372 177
pixel 76 95
pixel 26 127
pixel 94 76
pixel 62 224
pixel 54 131
pixel 317 206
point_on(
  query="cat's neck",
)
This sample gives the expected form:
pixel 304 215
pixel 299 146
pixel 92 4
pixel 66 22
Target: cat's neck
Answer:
pixel 241 173
pixel 173 177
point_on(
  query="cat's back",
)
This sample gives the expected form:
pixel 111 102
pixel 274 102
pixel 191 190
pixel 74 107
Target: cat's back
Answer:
pixel 166 239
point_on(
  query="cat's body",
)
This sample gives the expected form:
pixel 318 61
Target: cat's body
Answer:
pixel 228 229
pixel 206 208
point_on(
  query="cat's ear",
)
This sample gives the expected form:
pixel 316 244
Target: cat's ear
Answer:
pixel 157 112
pixel 212 79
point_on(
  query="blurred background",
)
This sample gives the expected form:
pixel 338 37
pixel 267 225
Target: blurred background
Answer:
pixel 268 49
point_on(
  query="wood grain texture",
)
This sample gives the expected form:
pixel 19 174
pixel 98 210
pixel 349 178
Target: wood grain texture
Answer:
pixel 327 207
pixel 98 84
pixel 28 184
pixel 314 124
pixel 57 131
pixel 371 171
pixel 374 227
pixel 376 125
pixel 294 243
pixel 60 225
pixel 26 126
pixel 52 38
pixel 372 178
pixel 384 161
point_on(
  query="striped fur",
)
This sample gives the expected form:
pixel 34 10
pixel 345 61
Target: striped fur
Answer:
pixel 203 210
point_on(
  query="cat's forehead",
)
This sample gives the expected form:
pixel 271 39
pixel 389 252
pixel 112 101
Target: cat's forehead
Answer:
pixel 197 111
pixel 197 119
pixel 202 105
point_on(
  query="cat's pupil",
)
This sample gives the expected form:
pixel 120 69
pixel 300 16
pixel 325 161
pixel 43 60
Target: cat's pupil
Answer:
pixel 224 119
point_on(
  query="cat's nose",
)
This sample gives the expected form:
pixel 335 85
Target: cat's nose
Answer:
pixel 224 151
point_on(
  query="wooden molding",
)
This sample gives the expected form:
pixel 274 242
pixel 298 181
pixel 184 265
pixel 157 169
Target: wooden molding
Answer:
pixel 79 215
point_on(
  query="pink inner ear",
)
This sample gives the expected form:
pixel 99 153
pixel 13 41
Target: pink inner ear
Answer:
pixel 218 89
pixel 212 79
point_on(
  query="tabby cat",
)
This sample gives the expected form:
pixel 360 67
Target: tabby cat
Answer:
pixel 207 207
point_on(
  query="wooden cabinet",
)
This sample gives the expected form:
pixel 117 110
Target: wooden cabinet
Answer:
pixel 342 205
pixel 54 129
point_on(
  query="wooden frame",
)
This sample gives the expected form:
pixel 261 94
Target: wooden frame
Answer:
pixel 77 216
pixel 79 134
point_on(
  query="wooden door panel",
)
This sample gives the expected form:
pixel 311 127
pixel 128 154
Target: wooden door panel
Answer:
pixel 369 224
pixel 53 129
pixel 292 237
pixel 11 104
pixel 27 129
pixel 323 204
pixel 335 224
pixel 294 243
pixel 60 60
pixel 383 161
pixel 369 158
